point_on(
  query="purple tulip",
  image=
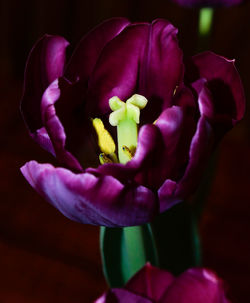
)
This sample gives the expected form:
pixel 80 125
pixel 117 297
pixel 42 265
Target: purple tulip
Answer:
pixel 208 3
pixel 151 284
pixel 183 120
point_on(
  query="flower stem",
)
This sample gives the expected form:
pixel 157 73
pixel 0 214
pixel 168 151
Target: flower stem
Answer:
pixel 125 250
pixel 205 27
pixel 133 251
pixel 177 238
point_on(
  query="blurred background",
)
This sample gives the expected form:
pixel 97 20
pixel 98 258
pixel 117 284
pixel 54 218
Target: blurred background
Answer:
pixel 44 257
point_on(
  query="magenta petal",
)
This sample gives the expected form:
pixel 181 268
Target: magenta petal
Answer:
pixel 116 72
pixel 161 69
pixel 41 137
pixel 44 65
pixel 201 147
pixel 117 295
pixel 143 161
pixel 88 199
pixel 224 83
pixel 54 126
pixel 195 286
pixel 150 282
pixel 205 99
pixel 200 150
pixel 177 127
pixel 87 52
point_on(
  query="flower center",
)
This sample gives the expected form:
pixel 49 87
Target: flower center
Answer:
pixel 126 116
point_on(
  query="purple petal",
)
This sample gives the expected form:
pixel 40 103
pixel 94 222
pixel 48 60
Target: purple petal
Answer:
pixel 44 65
pixel 87 52
pixel 88 199
pixel 224 83
pixel 200 149
pixel 177 126
pixel 195 286
pixel 206 106
pixel 145 52
pixel 41 137
pixel 208 3
pixel 54 126
pixel 150 282
pixel 117 295
pixel 161 69
pixel 116 71
pixel 140 164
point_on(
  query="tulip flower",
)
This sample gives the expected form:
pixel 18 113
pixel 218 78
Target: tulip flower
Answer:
pixel 130 126
pixel 151 284
pixel 208 3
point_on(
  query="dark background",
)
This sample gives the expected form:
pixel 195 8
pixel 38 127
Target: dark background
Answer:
pixel 44 257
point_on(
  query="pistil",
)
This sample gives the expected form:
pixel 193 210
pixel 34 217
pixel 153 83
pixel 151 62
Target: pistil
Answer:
pixel 126 116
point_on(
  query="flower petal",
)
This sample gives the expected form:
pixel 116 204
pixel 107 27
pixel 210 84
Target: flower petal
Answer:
pixel 224 83
pixel 117 295
pixel 45 63
pixel 87 52
pixel 201 148
pixel 54 126
pixel 161 68
pixel 41 137
pixel 88 199
pixel 116 71
pixel 139 167
pixel 150 282
pixel 195 286
pixel 177 126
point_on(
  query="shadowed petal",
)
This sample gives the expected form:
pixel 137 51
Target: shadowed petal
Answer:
pixel 150 282
pixel 41 137
pixel 45 64
pixel 177 126
pixel 224 83
pixel 200 150
pixel 88 199
pixel 148 143
pixel 54 126
pixel 195 286
pixel 201 147
pixel 87 52
pixel 116 72
pixel 161 69
pixel 117 295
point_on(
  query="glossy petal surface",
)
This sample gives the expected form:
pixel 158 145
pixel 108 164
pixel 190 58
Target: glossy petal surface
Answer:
pixel 88 199
pixel 196 285
pixel 45 64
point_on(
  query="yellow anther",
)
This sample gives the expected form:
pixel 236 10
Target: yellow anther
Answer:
pixel 128 152
pixel 105 141
pixel 104 159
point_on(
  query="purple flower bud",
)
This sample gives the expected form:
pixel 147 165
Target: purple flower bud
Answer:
pixel 151 284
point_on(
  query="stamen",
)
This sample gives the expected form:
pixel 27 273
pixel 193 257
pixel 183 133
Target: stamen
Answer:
pixel 104 159
pixel 105 141
pixel 127 152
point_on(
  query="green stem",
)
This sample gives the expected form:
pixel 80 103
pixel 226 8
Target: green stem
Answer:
pixel 205 27
pixel 133 251
pixel 177 239
pixel 125 250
